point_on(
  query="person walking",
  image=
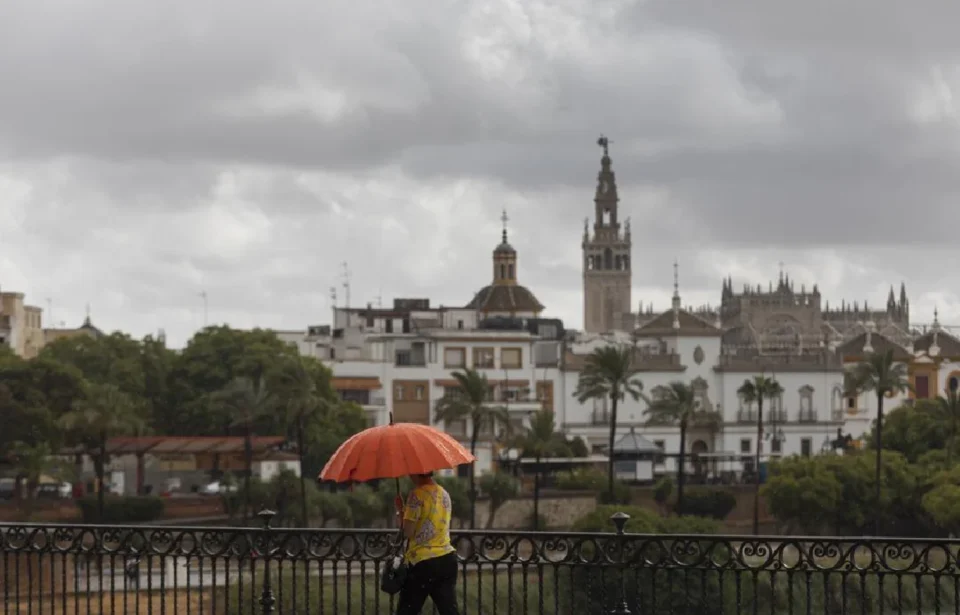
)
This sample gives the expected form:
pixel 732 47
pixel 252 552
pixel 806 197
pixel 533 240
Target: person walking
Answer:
pixel 432 560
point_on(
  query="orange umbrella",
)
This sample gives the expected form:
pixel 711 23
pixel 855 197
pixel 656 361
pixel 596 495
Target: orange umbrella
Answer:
pixel 392 451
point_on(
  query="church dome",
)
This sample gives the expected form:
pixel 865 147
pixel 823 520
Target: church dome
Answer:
pixel 504 298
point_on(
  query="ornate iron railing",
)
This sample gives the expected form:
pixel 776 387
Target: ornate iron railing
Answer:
pixel 97 569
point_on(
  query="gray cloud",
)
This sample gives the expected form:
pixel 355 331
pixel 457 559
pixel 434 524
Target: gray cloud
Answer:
pixel 149 153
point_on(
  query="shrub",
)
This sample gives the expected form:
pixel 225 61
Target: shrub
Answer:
pixel 712 503
pixel 121 509
pixel 500 488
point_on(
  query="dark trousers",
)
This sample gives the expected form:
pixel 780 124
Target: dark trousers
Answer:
pixel 436 578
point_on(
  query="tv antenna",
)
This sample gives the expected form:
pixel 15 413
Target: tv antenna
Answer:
pixel 346 284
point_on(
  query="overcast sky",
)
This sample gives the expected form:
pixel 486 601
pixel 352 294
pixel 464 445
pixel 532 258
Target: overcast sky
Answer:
pixel 151 151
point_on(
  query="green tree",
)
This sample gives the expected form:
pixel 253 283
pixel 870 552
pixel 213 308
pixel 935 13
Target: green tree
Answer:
pixel 608 373
pixel 500 488
pixel 540 439
pixel 109 359
pixel 948 405
pixel 106 412
pixel 245 402
pixel 883 375
pixel 830 494
pixel 914 430
pixel 677 404
pixel 33 396
pixel 212 359
pixel 471 402
pixel 756 390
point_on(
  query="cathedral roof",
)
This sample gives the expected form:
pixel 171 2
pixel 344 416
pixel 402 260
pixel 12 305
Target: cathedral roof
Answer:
pixel 690 326
pixel 505 298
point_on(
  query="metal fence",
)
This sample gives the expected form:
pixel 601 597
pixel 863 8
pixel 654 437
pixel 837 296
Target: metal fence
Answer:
pixel 96 569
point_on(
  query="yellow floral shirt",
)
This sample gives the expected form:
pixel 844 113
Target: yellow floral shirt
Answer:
pixel 429 506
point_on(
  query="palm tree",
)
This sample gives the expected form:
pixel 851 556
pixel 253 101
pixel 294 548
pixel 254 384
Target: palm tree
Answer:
pixel 105 412
pixel 539 440
pixel 471 402
pixel 883 375
pixel 949 405
pixel 245 401
pixel 756 390
pixel 676 404
pixel 608 374
pixel 303 404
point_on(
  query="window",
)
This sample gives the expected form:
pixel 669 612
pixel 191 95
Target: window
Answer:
pixel 406 325
pixel 776 446
pixel 388 325
pixel 511 358
pixel 510 271
pixel 661 444
pixel 452 392
pixel 745 445
pixel 806 447
pixel 418 392
pixel 454 357
pixel 460 324
pixel 398 392
pixel 953 383
pixel 851 403
pixel 483 358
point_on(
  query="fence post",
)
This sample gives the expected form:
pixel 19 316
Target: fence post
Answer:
pixel 267 599
pixel 620 521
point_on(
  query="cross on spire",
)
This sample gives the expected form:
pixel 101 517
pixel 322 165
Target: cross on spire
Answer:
pixel 504 219
pixel 605 144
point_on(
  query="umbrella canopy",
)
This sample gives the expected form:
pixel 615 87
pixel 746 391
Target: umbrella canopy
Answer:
pixel 392 451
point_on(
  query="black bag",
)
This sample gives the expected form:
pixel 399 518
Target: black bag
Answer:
pixel 394 573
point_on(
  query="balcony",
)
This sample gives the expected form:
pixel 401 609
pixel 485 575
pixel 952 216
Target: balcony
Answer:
pixel 746 416
pixel 807 416
pixel 254 573
pixel 775 416
pixel 410 358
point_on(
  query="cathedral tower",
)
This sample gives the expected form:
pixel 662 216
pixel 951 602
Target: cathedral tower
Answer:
pixel 606 257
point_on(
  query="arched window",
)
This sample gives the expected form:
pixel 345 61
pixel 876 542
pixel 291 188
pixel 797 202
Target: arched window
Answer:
pixel 510 271
pixel 503 272
pixel 608 259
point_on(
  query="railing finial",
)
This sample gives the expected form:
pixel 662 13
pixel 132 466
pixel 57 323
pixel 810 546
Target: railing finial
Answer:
pixel 620 520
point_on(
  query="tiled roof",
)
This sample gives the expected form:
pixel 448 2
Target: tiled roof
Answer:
pixel 879 343
pixel 949 345
pixel 505 298
pixel 690 326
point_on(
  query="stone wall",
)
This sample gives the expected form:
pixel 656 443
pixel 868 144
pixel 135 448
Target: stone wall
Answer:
pixel 560 509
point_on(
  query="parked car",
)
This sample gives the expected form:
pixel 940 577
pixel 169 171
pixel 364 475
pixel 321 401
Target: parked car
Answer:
pixel 217 488
pixel 8 488
pixel 54 491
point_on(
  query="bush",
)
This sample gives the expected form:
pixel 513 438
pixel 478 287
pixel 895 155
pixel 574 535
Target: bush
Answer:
pixel 711 503
pixel 121 509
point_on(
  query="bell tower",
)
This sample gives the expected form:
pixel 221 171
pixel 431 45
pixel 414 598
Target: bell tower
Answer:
pixel 606 256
